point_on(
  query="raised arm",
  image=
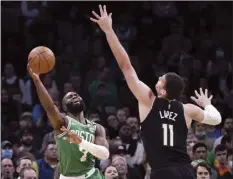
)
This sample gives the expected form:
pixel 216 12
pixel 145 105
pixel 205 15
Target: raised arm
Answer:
pixel 209 115
pixel 53 113
pixel 140 90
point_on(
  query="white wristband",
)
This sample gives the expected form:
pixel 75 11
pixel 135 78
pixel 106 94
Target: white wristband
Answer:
pixel 98 151
pixel 211 116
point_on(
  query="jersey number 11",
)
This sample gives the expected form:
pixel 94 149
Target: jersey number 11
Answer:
pixel 166 133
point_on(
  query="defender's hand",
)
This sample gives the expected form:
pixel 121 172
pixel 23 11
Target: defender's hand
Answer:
pixel 34 75
pixel 201 98
pixel 104 20
pixel 73 137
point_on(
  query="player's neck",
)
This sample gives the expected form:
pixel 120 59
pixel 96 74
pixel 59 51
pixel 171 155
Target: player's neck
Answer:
pixel 79 117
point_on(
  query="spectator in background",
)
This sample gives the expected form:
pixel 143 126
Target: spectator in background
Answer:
pixel 121 116
pixel 96 67
pixel 111 173
pixel 221 162
pixel 6 151
pixel 27 173
pixel 113 125
pixel 213 131
pixel 200 153
pixel 200 133
pixel 7 169
pixel 203 171
pixel 229 174
pixel 22 163
pixel 48 164
pixel 227 141
pixel 27 145
pixel 10 82
pixel 227 129
pixel 133 122
pixel 121 166
pixel 191 141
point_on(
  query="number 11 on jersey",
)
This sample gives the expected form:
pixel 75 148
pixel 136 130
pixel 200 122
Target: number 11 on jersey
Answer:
pixel 166 133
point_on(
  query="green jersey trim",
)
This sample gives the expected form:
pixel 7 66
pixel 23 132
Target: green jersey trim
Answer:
pixel 63 133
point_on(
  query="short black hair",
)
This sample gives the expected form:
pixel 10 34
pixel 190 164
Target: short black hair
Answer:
pixel 225 139
pixel 21 173
pixel 174 85
pixel 197 145
pixel 205 165
pixel 220 148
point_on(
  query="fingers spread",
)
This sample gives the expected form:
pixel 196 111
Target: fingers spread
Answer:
pixel 206 92
pixel 211 96
pixel 197 94
pixel 194 99
pixel 94 20
pixel 201 92
pixel 105 10
pixel 96 15
pixel 101 10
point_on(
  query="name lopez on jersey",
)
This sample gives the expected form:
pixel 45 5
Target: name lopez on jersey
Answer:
pixel 168 115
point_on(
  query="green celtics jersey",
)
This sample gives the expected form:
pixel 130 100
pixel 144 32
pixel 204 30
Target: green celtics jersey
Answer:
pixel 74 160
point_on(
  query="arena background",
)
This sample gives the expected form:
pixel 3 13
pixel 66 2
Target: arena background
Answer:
pixel 193 39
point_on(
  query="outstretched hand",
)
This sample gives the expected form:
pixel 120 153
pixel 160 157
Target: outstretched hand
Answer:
pixel 201 98
pixel 34 75
pixel 73 137
pixel 104 20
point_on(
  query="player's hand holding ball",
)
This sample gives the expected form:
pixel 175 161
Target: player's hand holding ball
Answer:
pixel 104 20
pixel 40 60
pixel 202 98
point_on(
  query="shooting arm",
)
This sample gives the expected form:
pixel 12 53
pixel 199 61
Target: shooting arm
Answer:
pixel 52 111
pixel 100 148
pixel 209 115
pixel 140 90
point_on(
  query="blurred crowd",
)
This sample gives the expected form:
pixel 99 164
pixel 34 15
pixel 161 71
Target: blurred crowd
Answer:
pixel 193 39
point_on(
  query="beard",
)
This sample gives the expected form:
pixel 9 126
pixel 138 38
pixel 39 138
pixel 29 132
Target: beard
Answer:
pixel 75 108
pixel 27 143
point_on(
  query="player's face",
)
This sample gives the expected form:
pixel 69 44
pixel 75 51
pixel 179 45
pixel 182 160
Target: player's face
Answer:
pixel 111 172
pixel 202 173
pixel 160 85
pixel 73 103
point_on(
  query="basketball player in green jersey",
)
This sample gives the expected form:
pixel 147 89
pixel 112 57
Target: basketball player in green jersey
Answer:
pixel 76 158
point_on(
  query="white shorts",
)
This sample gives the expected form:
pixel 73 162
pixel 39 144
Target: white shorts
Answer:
pixel 79 177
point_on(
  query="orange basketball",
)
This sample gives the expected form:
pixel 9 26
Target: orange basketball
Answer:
pixel 41 59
